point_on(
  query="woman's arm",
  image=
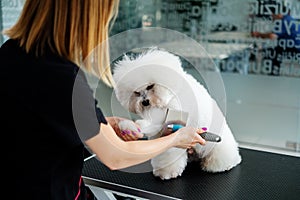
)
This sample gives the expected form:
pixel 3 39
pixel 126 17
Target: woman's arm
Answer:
pixel 117 154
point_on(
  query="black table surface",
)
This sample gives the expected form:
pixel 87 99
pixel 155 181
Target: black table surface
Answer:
pixel 261 175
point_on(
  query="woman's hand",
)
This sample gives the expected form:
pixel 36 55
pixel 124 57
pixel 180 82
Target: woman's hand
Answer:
pixel 129 130
pixel 188 137
pixel 126 129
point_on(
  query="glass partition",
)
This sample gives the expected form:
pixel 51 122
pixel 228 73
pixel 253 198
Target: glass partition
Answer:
pixel 10 11
pixel 261 75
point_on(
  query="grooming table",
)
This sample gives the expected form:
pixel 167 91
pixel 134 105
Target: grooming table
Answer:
pixel 261 175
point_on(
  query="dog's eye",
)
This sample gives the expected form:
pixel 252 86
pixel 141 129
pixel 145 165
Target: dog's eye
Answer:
pixel 149 87
pixel 137 93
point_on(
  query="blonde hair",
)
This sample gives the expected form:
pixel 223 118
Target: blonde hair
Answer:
pixel 72 29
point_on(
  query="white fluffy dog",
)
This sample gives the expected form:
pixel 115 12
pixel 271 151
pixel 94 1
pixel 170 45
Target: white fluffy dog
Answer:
pixel 153 81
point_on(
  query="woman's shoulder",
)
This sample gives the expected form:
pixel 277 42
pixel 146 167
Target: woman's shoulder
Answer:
pixel 9 45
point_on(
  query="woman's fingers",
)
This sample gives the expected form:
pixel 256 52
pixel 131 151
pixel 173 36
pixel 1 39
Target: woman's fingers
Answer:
pixel 129 135
pixel 188 137
pixel 198 138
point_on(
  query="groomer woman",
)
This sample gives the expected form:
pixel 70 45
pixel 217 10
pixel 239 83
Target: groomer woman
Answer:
pixel 39 65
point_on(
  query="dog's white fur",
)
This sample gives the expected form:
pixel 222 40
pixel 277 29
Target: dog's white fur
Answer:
pixel 154 81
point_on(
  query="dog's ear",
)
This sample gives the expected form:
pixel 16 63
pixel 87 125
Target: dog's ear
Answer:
pixel 137 93
pixel 149 87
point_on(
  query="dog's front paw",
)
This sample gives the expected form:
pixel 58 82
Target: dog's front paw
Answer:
pixel 173 169
pixel 148 128
pixel 166 175
pixel 170 172
pixel 217 163
pixel 128 125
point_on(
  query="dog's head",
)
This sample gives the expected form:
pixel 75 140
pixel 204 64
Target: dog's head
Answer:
pixel 147 81
pixel 149 96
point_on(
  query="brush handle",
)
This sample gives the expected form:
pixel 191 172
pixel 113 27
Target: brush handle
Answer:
pixel 210 137
pixel 206 135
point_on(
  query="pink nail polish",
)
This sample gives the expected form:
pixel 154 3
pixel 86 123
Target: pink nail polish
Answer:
pixel 204 128
pixel 139 129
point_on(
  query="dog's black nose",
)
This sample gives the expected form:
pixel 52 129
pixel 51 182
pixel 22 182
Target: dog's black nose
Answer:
pixel 146 102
